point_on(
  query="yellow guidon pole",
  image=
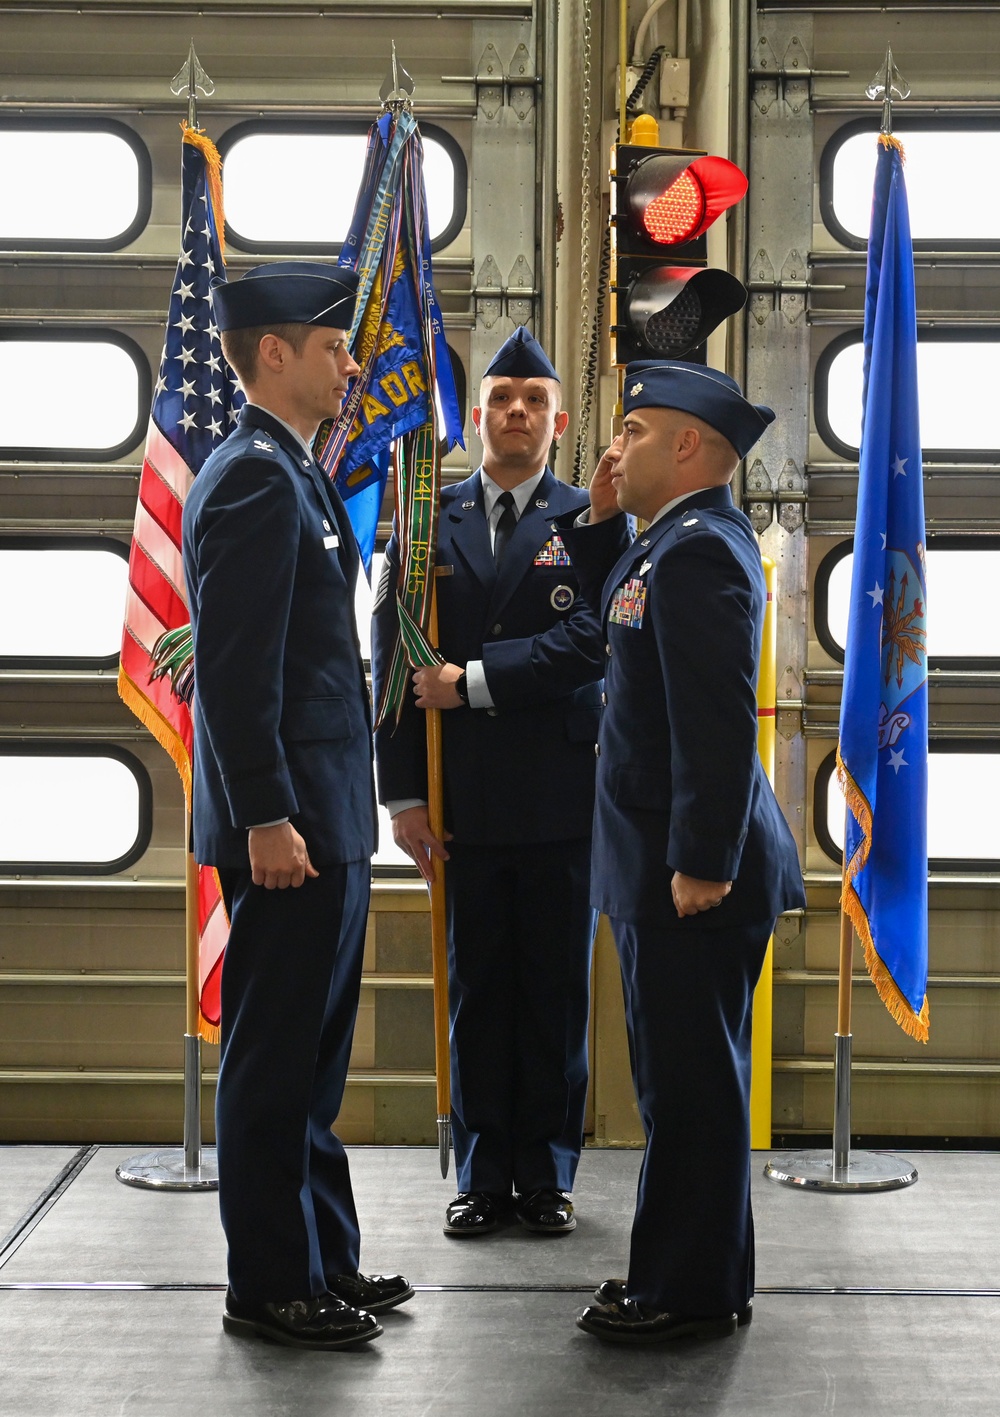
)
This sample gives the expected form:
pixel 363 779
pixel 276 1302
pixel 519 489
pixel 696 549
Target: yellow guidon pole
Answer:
pixel 439 920
pixel 761 1045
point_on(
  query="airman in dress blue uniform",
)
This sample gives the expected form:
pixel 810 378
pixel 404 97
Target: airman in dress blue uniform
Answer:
pixel 284 807
pixel 521 688
pixel 692 858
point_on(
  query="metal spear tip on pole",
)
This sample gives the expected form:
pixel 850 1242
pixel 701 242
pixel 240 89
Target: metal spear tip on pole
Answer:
pixel 397 86
pixel 191 79
pixel 888 84
pixel 444 1144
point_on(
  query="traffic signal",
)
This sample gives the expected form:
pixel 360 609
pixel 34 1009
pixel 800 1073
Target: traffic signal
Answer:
pixel 667 298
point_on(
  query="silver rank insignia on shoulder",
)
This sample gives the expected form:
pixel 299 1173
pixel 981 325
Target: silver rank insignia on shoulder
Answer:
pixel 562 597
pixel 691 521
pixel 467 506
pixel 541 502
pixel 644 541
pixel 646 566
pixel 264 445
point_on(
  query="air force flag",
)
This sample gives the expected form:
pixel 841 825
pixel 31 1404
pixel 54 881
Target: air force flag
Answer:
pixel 882 755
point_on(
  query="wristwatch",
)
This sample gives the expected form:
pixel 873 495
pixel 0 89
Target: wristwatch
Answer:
pixel 462 687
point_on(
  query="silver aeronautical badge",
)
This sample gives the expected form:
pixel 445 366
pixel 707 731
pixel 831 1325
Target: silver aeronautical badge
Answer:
pixel 646 565
pixel 562 597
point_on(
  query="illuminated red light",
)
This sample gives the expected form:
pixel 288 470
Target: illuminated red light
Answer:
pixel 676 214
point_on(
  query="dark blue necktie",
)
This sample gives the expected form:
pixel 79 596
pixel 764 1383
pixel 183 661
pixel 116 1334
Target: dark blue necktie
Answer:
pixel 505 526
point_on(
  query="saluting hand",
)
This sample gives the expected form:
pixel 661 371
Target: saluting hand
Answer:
pixel 603 497
pixel 278 857
pixel 692 896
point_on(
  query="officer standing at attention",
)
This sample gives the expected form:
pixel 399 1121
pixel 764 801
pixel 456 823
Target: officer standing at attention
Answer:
pixel 284 808
pixel 524 654
pixel 692 857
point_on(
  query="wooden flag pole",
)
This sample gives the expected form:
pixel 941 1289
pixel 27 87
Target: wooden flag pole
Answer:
pixel 439 922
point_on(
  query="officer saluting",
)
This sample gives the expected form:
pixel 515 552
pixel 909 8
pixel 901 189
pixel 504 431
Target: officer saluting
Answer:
pixel 692 857
pixel 284 808
pixel 520 688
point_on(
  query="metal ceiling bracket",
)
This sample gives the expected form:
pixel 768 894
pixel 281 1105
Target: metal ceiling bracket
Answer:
pixel 791 497
pixel 489 294
pixel 490 82
pixel 520 292
pixel 758 497
pixel 790 82
pixel 521 83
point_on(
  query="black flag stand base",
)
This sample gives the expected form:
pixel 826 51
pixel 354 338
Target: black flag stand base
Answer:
pixel 192 1168
pixel 841 1169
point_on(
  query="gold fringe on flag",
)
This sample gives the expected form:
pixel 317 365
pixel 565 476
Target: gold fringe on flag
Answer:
pixel 161 728
pixel 887 140
pixel 199 139
pixel 916 1025
pixel 210 1032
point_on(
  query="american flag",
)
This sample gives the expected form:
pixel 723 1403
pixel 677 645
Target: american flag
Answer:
pixel 195 403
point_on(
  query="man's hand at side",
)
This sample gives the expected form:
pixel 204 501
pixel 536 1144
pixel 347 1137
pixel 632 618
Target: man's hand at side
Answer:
pixel 692 896
pixel 411 830
pixel 278 857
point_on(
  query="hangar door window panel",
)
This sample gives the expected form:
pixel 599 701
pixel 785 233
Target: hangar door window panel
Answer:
pixel 967 217
pixel 64 604
pixel 68 810
pixel 961 584
pixel 958 375
pixel 82 185
pixel 293 187
pixel 84 394
pixel 963 825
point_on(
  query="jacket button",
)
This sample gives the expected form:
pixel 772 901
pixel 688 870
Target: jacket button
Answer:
pixel 607 650
pixel 597 750
pixel 492 712
pixel 604 700
pixel 497 629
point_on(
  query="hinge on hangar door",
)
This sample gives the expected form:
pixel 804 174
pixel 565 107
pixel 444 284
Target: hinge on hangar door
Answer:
pixel 492 296
pixel 790 82
pixel 761 496
pixel 788 293
pixel 497 87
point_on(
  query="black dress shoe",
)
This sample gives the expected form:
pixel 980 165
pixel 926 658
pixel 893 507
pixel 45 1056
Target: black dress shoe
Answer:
pixel 476 1213
pixel 546 1212
pixel 631 1322
pixel 612 1291
pixel 326 1322
pixel 373 1292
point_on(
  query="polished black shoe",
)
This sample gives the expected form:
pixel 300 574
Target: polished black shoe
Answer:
pixel 631 1322
pixel 612 1291
pixel 326 1322
pixel 372 1292
pixel 476 1213
pixel 546 1212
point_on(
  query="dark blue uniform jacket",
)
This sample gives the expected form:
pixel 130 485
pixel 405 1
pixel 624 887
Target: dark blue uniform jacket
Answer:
pixel 680 786
pixel 282 718
pixel 522 771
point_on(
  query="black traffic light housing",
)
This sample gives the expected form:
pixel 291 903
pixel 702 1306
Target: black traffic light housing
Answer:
pixel 667 298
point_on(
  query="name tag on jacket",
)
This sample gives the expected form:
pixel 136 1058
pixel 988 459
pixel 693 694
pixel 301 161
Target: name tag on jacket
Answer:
pixel 628 605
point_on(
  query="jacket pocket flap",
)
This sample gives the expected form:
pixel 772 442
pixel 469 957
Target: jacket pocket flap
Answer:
pixel 307 719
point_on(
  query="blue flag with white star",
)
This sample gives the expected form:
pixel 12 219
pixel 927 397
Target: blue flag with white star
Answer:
pixel 882 754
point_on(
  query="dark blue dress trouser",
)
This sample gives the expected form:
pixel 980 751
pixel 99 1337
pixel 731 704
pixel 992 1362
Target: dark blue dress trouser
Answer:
pixel 688 1008
pixel 290 985
pixel 520 936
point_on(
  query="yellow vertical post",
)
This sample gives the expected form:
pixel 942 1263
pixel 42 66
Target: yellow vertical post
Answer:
pixel 760 1085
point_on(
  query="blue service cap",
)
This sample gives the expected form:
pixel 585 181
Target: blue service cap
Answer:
pixel 707 393
pixel 286 293
pixel 522 357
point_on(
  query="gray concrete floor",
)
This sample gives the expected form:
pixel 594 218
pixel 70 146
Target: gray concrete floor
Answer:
pixel 910 1327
